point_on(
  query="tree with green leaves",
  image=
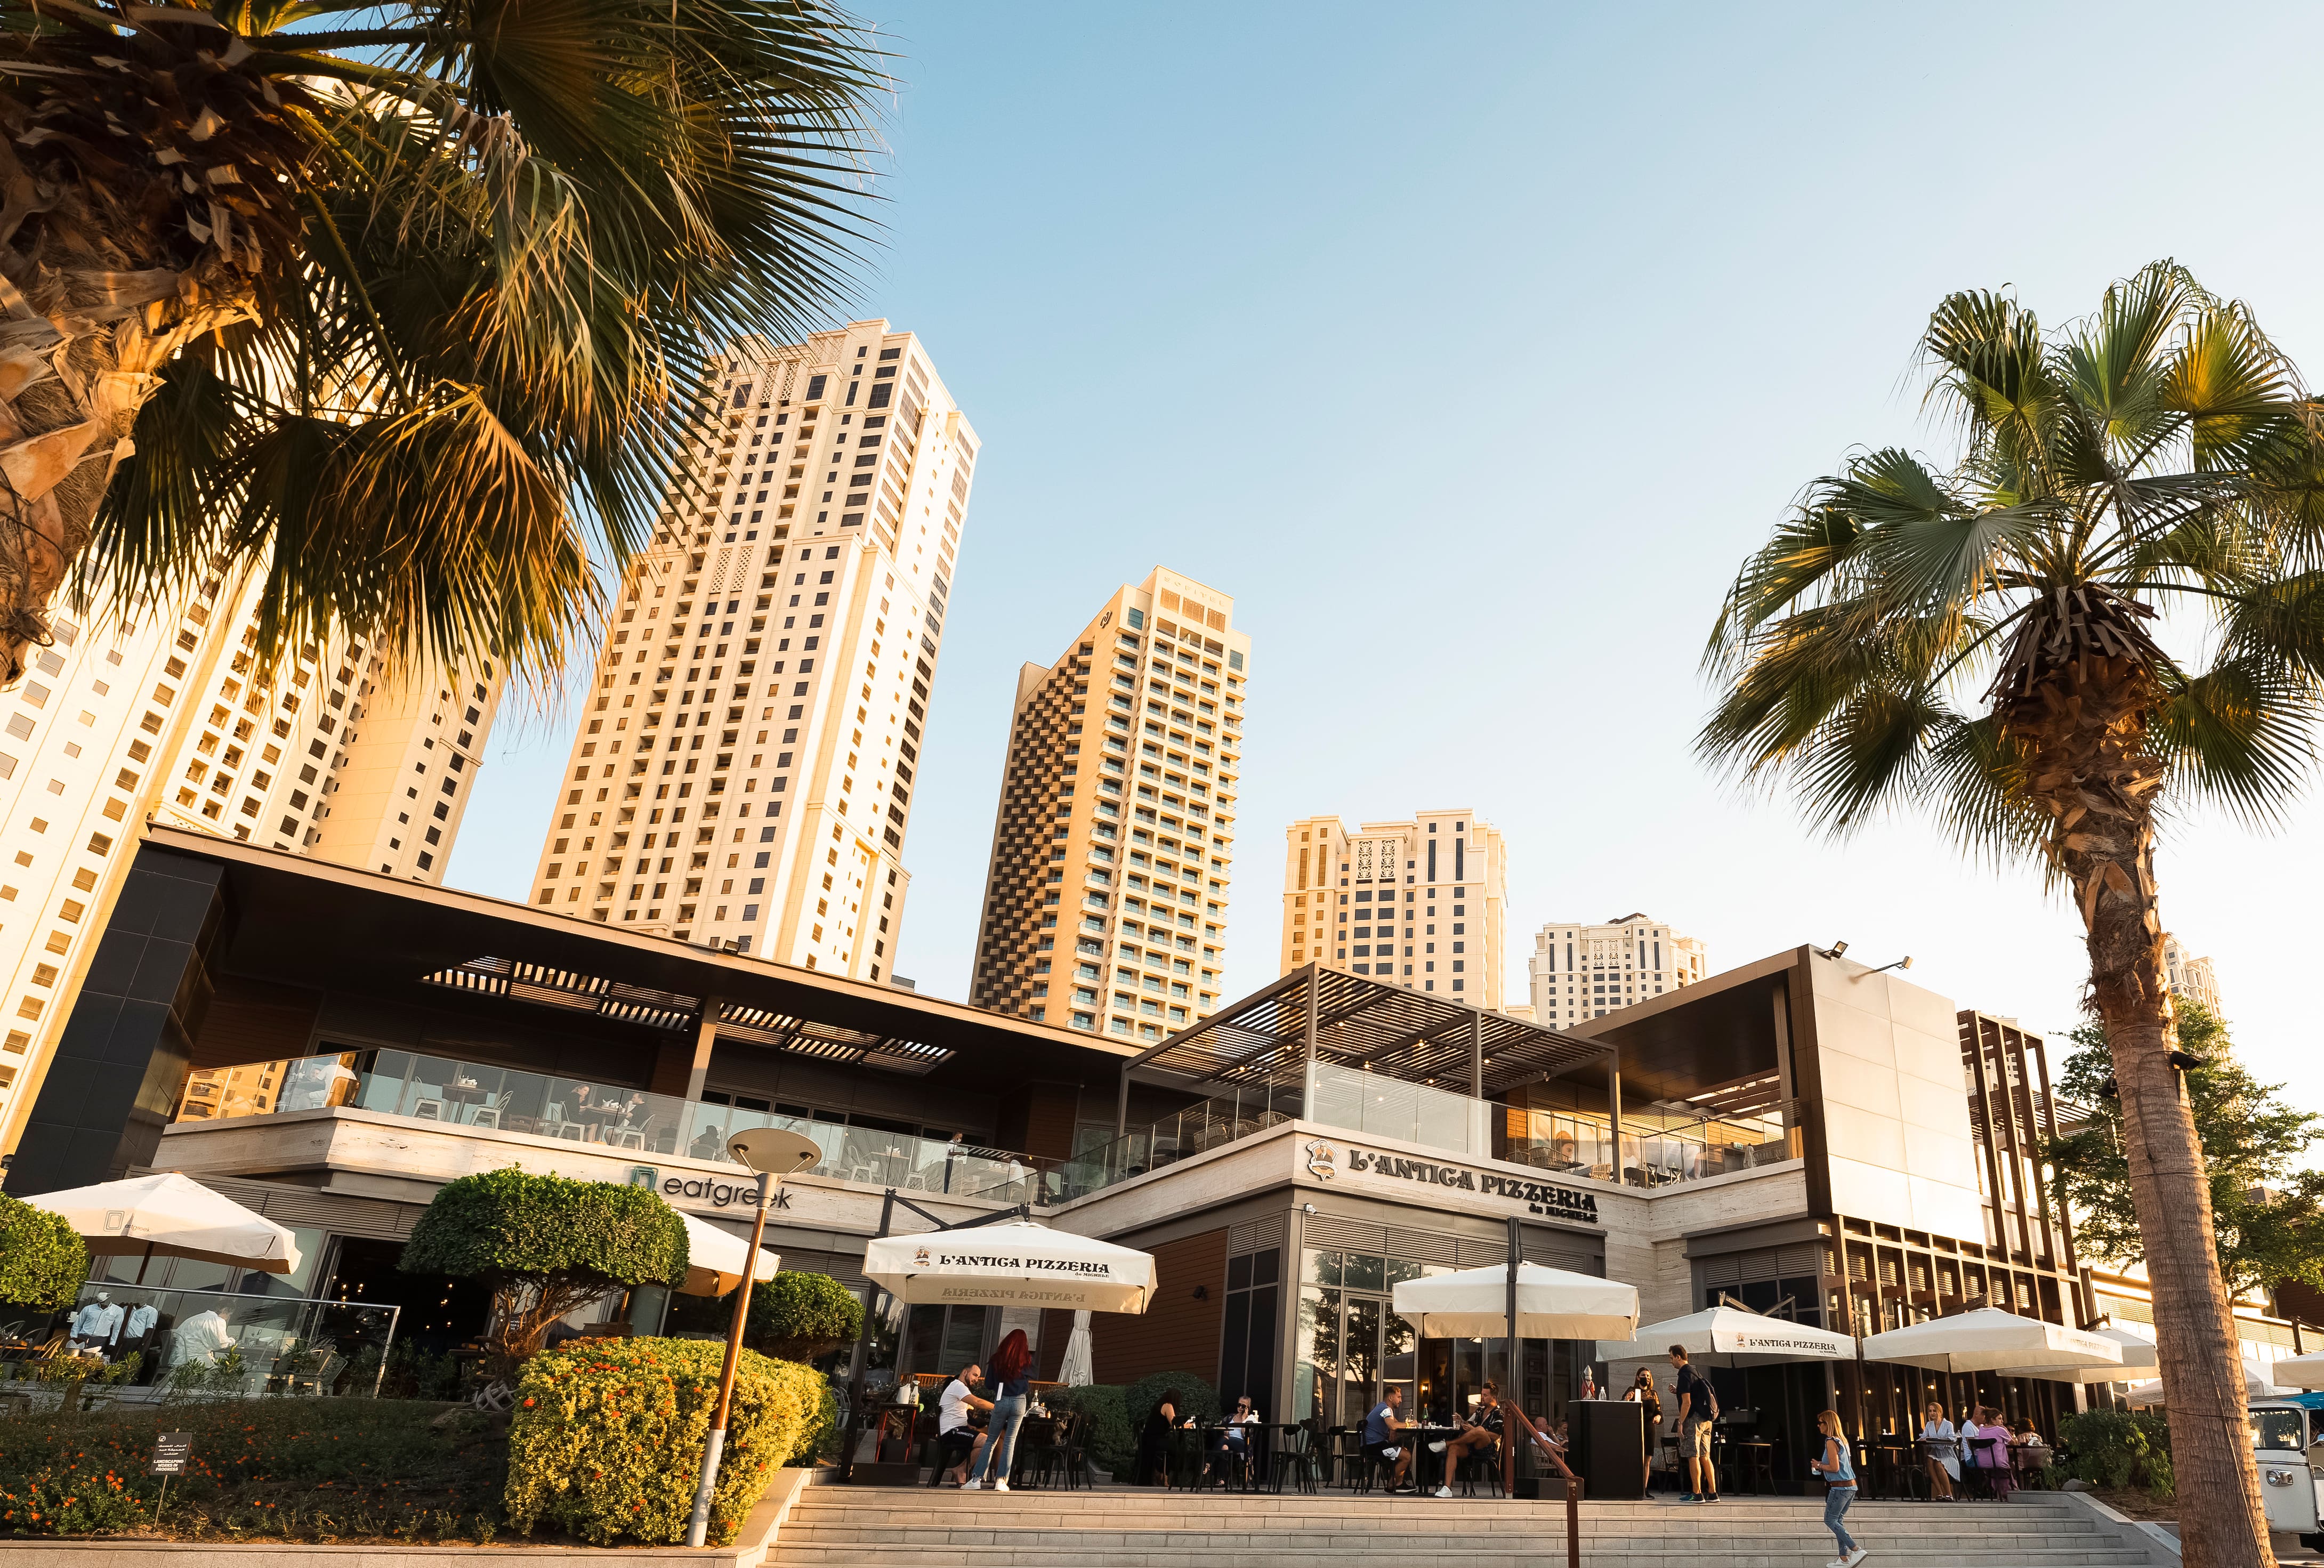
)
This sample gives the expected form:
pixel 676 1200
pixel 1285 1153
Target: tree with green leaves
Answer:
pixel 1984 638
pixel 405 305
pixel 546 1245
pixel 2267 1211
pixel 42 1261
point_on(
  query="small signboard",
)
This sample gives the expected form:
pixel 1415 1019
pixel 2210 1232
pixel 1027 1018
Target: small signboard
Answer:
pixel 171 1449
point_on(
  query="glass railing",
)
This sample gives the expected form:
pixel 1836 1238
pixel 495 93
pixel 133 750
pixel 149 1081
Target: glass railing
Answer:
pixel 455 1093
pixel 139 1343
pixel 1659 1147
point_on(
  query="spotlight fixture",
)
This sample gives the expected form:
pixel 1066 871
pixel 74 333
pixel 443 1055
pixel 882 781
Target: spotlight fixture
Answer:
pixel 1903 962
pixel 1834 951
pixel 2185 1061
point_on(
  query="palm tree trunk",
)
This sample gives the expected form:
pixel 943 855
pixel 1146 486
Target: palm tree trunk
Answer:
pixel 2091 766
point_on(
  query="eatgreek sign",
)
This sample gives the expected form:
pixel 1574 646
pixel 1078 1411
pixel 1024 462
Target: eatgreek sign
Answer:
pixel 1543 1198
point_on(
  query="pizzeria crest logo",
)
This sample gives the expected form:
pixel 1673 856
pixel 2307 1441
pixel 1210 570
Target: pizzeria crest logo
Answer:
pixel 1322 1160
pixel 920 1257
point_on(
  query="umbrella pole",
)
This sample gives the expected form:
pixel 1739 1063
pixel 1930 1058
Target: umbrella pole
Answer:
pixel 855 1368
pixel 698 1525
pixel 142 1263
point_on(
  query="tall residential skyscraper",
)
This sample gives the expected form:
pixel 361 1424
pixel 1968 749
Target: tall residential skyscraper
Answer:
pixel 2189 976
pixel 343 756
pixel 1444 875
pixel 743 774
pixel 1582 971
pixel 1105 906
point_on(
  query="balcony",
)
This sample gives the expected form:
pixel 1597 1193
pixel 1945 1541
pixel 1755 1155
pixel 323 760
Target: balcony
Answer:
pixel 422 1088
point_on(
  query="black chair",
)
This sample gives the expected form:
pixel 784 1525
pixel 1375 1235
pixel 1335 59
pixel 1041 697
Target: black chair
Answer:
pixel 1487 1460
pixel 1299 1457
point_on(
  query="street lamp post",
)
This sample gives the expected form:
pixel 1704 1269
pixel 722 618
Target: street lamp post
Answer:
pixel 772 1154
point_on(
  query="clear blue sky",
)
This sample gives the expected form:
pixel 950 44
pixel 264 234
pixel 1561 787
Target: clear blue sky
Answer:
pixel 1470 347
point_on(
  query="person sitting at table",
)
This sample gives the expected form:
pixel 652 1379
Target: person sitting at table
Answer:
pixel 1479 1433
pixel 1154 1439
pixel 958 1443
pixel 1564 1152
pixel 1989 1450
pixel 1232 1452
pixel 1380 1428
pixel 708 1144
pixel 2023 1436
pixel 1940 1452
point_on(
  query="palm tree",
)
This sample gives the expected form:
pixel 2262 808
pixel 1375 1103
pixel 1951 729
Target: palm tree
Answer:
pixel 406 303
pixel 2109 602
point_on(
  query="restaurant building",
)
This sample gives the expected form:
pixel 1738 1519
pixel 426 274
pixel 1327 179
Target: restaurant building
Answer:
pixel 1802 1135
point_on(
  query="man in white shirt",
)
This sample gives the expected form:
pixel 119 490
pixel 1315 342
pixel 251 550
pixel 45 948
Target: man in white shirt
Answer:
pixel 199 1338
pixel 98 1322
pixel 956 1441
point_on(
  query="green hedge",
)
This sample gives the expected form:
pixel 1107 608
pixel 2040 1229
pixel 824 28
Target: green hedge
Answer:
pixel 1196 1397
pixel 1112 1443
pixel 607 1438
pixel 2118 1449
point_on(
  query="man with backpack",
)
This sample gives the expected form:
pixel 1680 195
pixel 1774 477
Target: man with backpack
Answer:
pixel 1698 1407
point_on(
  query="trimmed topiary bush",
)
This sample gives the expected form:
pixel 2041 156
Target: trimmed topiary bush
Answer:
pixel 41 1261
pixel 546 1245
pixel 796 1315
pixel 607 1438
pixel 1196 1397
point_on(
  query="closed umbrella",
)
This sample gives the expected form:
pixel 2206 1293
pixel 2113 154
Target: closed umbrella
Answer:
pixel 713 1258
pixel 170 1215
pixel 1552 1305
pixel 1078 1368
pixel 1725 1336
pixel 1989 1339
pixel 1016 1263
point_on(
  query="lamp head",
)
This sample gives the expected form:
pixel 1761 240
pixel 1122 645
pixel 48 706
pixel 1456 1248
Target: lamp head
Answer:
pixel 773 1150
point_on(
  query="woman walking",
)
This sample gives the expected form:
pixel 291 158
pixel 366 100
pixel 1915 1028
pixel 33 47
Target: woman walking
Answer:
pixel 1012 1372
pixel 1838 1472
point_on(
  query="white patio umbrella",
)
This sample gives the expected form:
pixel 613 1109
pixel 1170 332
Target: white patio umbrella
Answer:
pixel 1725 1336
pixel 713 1258
pixel 1990 1339
pixel 1552 1305
pixel 170 1215
pixel 1015 1263
pixel 2137 1356
pixel 2256 1385
pixel 1079 1368
pixel 2300 1371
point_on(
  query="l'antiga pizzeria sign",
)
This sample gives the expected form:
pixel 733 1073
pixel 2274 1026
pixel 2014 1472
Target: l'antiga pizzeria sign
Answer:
pixel 1543 1198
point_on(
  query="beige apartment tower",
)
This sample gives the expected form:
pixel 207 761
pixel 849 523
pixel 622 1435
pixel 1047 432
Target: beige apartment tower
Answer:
pixel 1105 904
pixel 2189 976
pixel 1580 970
pixel 744 773
pixel 342 756
pixel 1421 903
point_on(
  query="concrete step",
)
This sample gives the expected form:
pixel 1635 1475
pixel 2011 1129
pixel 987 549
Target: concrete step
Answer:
pixel 1804 1553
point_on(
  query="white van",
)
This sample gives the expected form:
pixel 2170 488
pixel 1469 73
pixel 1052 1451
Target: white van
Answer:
pixel 2288 1436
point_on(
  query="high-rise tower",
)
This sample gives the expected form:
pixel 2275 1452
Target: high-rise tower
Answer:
pixel 1441 876
pixel 1105 904
pixel 744 771
pixel 342 755
pixel 1579 970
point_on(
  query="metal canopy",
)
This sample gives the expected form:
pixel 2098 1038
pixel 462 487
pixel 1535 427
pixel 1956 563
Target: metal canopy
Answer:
pixel 665 1010
pixel 1415 1036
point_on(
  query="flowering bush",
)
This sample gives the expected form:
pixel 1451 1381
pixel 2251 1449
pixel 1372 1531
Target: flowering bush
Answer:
pixel 607 1438
pixel 304 1469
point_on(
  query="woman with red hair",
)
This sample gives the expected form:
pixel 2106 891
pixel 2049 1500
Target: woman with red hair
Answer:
pixel 1013 1375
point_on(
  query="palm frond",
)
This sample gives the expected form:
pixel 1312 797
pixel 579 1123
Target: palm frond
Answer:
pixel 2241 735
